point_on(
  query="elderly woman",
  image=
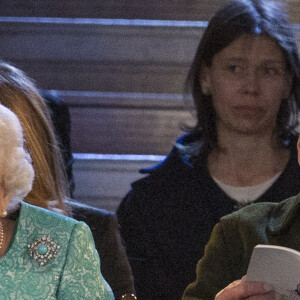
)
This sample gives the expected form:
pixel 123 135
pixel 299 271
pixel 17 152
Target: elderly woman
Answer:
pixel 49 190
pixel 44 255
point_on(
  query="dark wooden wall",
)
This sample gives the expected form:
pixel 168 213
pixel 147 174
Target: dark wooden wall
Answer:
pixel 138 9
pixel 123 79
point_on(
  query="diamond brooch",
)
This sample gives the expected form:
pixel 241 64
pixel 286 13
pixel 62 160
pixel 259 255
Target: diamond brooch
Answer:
pixel 43 250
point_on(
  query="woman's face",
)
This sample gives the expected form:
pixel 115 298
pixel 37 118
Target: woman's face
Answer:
pixel 247 80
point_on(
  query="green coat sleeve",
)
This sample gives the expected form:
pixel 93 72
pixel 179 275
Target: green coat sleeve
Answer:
pixel 81 277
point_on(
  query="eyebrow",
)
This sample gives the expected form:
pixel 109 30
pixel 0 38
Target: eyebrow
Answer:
pixel 266 60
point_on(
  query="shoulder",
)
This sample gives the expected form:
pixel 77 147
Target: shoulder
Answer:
pixel 248 219
pixel 29 209
pixel 91 215
pixel 35 223
pixel 185 146
pixel 100 221
pixel 173 178
pixel 175 168
pixel 82 211
pixel 252 211
pixel 264 215
pixel 44 218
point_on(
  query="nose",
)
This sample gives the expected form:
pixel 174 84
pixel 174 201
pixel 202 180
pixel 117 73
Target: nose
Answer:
pixel 251 82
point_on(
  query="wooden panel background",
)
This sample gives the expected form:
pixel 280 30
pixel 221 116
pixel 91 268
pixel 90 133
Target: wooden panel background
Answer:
pixel 138 9
pixel 115 77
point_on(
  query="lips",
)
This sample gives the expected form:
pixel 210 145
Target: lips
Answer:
pixel 248 112
pixel 248 109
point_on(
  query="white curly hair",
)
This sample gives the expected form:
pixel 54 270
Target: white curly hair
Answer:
pixel 16 170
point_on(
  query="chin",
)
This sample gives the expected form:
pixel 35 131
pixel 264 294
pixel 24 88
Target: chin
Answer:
pixel 250 129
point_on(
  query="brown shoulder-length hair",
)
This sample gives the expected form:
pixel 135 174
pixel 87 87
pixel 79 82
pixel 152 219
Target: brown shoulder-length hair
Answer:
pixel 19 94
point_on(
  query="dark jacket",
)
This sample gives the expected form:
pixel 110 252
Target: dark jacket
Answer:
pixel 115 267
pixel 167 218
pixel 228 252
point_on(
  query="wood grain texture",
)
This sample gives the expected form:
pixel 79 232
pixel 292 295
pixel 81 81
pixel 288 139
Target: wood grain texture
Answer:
pixel 127 126
pixel 138 9
pixel 89 57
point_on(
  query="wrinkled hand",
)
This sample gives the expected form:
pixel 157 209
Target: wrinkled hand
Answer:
pixel 250 290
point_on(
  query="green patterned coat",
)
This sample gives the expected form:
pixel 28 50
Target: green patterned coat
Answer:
pixel 73 274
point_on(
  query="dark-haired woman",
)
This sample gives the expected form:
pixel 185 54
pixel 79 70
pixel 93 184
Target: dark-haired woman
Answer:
pixel 245 86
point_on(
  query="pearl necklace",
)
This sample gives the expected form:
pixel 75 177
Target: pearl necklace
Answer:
pixel 1 235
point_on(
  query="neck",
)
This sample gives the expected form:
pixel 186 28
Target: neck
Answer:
pixel 246 159
pixel 241 146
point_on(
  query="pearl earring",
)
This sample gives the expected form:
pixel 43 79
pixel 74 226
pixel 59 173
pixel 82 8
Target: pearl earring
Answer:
pixel 3 213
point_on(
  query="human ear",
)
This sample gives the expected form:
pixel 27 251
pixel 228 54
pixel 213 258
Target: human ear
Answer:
pixel 205 81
